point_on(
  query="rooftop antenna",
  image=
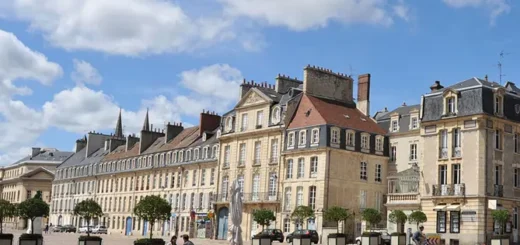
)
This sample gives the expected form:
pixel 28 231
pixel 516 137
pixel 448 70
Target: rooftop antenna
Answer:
pixel 502 54
pixel 351 71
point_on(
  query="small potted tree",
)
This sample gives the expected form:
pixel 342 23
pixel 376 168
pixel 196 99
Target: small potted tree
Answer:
pixel 152 209
pixel 399 218
pixel 336 214
pixel 417 217
pixel 7 210
pixel 263 217
pixel 31 209
pixel 501 217
pixel 372 217
pixel 88 209
pixel 300 215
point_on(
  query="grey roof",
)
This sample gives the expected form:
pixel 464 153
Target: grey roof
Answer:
pixel 79 159
pixel 270 93
pixel 46 155
pixel 383 118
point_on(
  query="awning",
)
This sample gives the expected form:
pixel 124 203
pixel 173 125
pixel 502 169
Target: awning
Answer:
pixel 453 207
pixel 439 208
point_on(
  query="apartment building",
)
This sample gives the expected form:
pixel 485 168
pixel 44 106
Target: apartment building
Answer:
pixel 23 179
pixel 403 130
pixel 176 163
pixel 472 166
pixel 335 154
pixel 250 144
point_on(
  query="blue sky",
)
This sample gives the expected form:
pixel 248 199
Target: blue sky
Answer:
pixel 66 67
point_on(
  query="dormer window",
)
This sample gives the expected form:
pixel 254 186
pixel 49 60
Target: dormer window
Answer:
pixel 450 105
pixel 379 143
pixel 499 104
pixel 204 137
pixel 229 124
pixel 219 133
pixel 414 124
pixel 290 140
pixel 350 138
pixel 275 115
pixel 302 138
pixel 365 141
pixel 334 136
pixel 395 126
pixel 315 136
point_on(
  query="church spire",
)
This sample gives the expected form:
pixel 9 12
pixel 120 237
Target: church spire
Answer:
pixel 119 126
pixel 146 125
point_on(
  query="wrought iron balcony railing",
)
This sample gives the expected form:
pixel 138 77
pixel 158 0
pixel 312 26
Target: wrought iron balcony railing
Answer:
pixel 449 190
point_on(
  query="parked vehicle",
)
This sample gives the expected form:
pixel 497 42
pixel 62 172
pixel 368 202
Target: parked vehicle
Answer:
pixel 99 229
pixel 56 228
pixel 385 239
pixel 274 234
pixel 68 228
pixel 315 238
pixel 83 229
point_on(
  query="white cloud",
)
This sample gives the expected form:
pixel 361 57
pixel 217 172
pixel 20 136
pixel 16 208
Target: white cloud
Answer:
pixel 402 11
pixel 300 15
pixel 496 7
pixel 124 27
pixel 85 73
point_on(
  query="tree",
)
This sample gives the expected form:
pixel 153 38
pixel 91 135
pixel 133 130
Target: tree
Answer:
pixel 264 217
pixel 7 210
pixel 371 216
pixel 417 217
pixel 501 216
pixel 33 208
pixel 152 208
pixel 302 213
pixel 88 209
pixel 336 214
pixel 398 217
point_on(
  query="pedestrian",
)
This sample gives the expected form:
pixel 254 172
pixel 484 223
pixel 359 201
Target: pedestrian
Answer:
pixel 418 237
pixel 186 239
pixel 173 241
pixel 46 228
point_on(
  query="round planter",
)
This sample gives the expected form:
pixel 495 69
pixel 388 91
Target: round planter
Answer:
pixel 6 239
pixel 89 240
pixel 146 241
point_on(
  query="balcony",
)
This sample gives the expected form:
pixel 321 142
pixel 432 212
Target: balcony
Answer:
pixel 498 191
pixel 261 197
pixel 443 153
pixel 403 199
pixel 457 152
pixel 449 190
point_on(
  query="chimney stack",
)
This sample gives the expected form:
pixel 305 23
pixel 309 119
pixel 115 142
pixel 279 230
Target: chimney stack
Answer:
pixel 208 122
pixel 285 83
pixel 35 151
pixel 363 96
pixel 436 86
pixel 172 130
pixel 80 144
pixel 326 84
pixel 130 141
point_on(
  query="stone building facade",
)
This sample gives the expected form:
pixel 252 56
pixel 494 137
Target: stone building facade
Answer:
pixel 24 178
pixel 330 141
pixel 176 163
pixel 472 132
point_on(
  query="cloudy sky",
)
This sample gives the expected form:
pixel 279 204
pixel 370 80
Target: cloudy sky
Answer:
pixel 68 66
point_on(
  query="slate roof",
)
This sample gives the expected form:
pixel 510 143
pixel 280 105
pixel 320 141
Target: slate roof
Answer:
pixel 79 159
pixel 46 155
pixel 404 117
pixel 330 112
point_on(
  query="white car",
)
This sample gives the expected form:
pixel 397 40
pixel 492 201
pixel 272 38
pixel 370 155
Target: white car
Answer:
pixel 99 229
pixel 83 229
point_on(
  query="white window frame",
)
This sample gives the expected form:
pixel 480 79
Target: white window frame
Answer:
pixel 414 122
pixel 379 173
pixel 380 143
pixel 413 152
pixel 314 167
pixel 243 122
pixel 258 152
pixel 315 136
pixel 335 136
pixel 290 140
pixel 394 124
pixel 227 156
pixel 259 118
pixel 300 172
pixel 363 171
pixel 229 123
pixel 289 169
pixel 299 196
pixel 242 154
pixel 451 105
pixel 365 141
pixel 498 104
pixel 350 138
pixel 302 138
pixel 498 140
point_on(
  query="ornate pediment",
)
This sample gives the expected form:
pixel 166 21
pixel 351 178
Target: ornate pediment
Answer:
pixel 253 97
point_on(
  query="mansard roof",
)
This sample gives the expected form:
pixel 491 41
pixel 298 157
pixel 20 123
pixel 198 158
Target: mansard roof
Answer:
pixel 52 155
pixel 404 113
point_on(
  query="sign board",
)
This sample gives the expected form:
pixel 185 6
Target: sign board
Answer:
pixel 492 204
pixel 433 239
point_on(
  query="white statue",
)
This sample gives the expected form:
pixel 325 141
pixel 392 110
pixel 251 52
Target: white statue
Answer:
pixel 235 230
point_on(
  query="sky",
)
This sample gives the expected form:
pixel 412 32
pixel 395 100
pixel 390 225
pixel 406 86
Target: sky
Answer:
pixel 68 66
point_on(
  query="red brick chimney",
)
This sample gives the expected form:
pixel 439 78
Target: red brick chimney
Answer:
pixel 363 95
pixel 209 121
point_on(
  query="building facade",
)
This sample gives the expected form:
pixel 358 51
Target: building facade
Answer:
pixel 403 130
pixel 176 163
pixel 24 178
pixel 250 144
pixel 330 141
pixel 472 130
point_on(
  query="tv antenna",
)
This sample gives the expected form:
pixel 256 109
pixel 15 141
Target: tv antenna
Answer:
pixel 502 54
pixel 351 71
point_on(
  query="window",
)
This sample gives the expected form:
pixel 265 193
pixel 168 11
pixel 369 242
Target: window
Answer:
pixel 242 155
pixel 286 225
pixel 225 183
pixel 302 137
pixel 258 148
pixel 363 174
pixel 290 140
pixel 365 141
pixel 241 183
pixel 194 178
pixel 287 198
pixel 450 105
pixel 212 177
pixel 498 139
pixel 192 200
pixel 299 196
pixel 243 125
pixel 394 126
pixel 274 151
pixel 334 136
pixel 378 201
pixel 301 168
pixel 393 153
pixel 315 137
pixel 415 123
pixel 275 115
pixel 413 152
pixel 314 167
pixel 454 222
pixel 362 199
pixel 455 174
pixel 379 143
pixel 256 187
pixel 289 169
pixel 379 170
pixel 516 143
pixel 498 104
pixel 184 200
pixel 515 178
pixel 350 139
pixel 259 118
pixel 443 143
pixel 441 222
pixel 498 175
pixel 227 151
pixel 443 174
pixel 456 142
pixel 312 197
pixel 203 177
pixel 272 185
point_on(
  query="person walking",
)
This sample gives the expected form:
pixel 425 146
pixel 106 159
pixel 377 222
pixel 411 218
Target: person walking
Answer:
pixel 418 237
pixel 46 228
pixel 173 241
pixel 186 239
